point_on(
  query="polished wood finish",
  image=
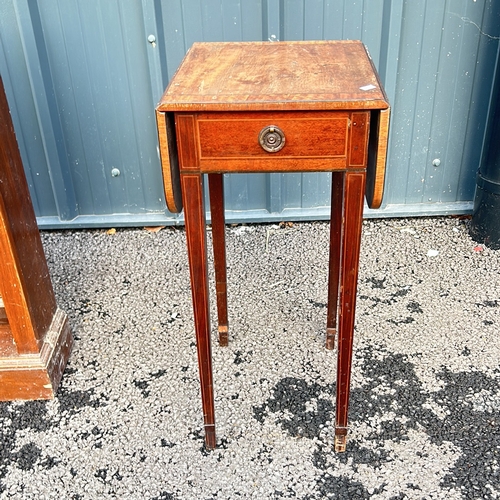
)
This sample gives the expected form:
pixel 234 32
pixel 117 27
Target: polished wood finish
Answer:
pixel 257 76
pixel 170 163
pixel 194 210
pixel 313 143
pixel 279 76
pixel 354 185
pixel 35 340
pixel 375 174
pixel 336 218
pixel 308 135
pixel 216 190
pixel 327 101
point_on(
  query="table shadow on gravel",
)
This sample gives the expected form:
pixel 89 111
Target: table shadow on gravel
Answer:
pixel 390 385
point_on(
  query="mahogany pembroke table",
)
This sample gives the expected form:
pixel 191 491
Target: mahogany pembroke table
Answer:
pixel 274 107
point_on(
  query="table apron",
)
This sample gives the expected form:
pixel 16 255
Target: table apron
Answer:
pixel 315 142
pixel 259 165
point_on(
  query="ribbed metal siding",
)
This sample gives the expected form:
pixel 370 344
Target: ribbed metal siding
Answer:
pixel 447 59
pixel 82 80
pixel 87 77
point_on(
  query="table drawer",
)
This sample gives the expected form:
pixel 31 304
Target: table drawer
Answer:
pixel 294 140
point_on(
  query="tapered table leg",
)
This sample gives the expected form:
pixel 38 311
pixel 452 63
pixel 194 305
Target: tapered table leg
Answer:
pixel 216 189
pixel 334 261
pixel 194 214
pixel 354 188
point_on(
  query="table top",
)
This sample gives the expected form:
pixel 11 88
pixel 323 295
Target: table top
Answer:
pixel 310 75
pixel 275 76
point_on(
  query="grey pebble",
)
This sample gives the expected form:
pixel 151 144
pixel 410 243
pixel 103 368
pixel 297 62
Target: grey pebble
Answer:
pixel 127 422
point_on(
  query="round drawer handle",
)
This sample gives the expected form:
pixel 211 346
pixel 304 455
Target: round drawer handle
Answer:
pixel 272 139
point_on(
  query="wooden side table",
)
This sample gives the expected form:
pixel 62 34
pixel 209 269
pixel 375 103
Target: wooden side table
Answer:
pixel 274 107
pixel 35 338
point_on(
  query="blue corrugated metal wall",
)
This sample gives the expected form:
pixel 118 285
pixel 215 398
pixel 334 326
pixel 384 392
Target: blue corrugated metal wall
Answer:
pixel 83 78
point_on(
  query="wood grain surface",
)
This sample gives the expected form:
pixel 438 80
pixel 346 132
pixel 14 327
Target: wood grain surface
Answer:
pixel 35 340
pixel 377 157
pixel 308 75
pixel 354 188
pixel 216 190
pixel 272 76
pixel 307 134
pixel 25 284
pixel 169 160
pixel 193 194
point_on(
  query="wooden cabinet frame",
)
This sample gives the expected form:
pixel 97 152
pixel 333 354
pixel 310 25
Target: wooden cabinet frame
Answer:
pixel 35 338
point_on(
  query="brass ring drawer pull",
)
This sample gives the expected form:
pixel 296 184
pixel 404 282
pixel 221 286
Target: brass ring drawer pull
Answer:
pixel 272 139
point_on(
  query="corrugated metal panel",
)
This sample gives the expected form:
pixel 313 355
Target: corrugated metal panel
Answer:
pixel 441 99
pixel 82 79
pixel 88 71
pixel 15 75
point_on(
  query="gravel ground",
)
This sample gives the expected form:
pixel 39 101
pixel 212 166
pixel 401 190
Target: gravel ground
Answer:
pixel 127 422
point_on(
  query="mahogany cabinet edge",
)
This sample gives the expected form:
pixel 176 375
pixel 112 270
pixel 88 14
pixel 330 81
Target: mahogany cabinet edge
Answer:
pixel 37 376
pixel 171 170
pixel 256 165
pixel 35 336
pixel 169 160
pixel 377 157
pixel 192 104
pixel 377 76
